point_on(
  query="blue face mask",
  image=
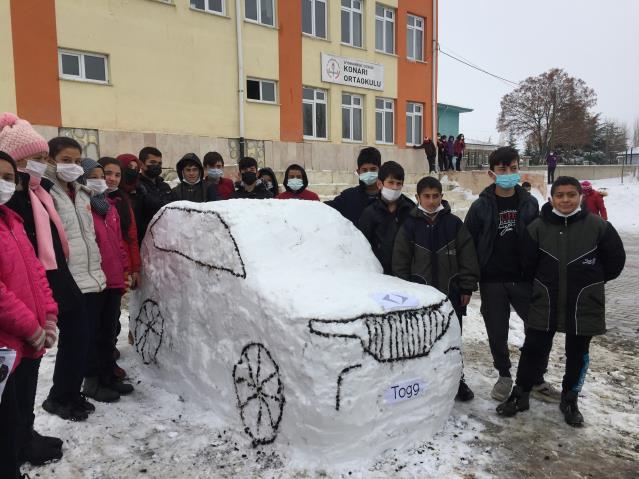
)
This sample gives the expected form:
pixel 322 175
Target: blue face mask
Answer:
pixel 295 184
pixel 507 181
pixel 368 178
pixel 215 172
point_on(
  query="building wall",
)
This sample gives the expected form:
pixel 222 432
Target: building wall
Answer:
pixel 448 122
pixel 7 76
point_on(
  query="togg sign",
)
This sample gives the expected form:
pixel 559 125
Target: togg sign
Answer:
pixel 349 71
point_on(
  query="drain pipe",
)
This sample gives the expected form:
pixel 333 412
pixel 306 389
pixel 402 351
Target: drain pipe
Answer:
pixel 434 81
pixel 240 73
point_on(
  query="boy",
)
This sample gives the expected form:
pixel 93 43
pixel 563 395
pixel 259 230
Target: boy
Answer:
pixel 431 153
pixel 296 185
pixel 381 220
pixel 214 172
pixel 497 221
pixel 352 201
pixel 568 252
pixel 192 186
pixel 250 187
pixel 434 247
pixel 526 186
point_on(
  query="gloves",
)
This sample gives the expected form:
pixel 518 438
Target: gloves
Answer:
pixel 51 332
pixel 37 340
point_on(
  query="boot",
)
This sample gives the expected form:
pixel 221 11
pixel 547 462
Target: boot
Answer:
pixel 94 390
pixel 464 393
pixel 119 386
pixel 50 440
pixel 118 372
pixel 64 410
pixel 81 404
pixel 568 406
pixel 39 453
pixel 517 402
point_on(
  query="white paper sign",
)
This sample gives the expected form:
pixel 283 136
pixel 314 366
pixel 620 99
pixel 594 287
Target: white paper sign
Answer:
pixel 394 300
pixel 404 391
pixel 7 358
pixel 352 72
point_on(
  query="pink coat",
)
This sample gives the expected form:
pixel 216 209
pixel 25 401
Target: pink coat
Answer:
pixel 108 235
pixel 25 296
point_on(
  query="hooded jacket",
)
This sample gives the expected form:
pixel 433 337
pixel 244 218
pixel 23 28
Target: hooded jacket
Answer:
pixel 593 202
pixel 108 234
pixel 482 220
pixel 439 253
pixel 275 187
pixel 429 147
pixel 151 195
pixel 258 193
pixel 551 161
pixel 303 193
pixel 380 227
pixel 352 202
pixel 200 192
pixel 569 260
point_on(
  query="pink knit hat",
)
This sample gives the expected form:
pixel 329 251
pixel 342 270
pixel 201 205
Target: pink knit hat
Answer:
pixel 18 138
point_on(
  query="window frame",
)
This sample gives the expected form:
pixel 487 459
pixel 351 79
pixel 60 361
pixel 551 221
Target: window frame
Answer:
pixel 313 20
pixel 350 107
pixel 208 10
pixel 351 12
pixel 314 102
pixel 413 29
pixel 383 112
pixel 261 81
pixel 259 21
pixel 413 114
pixel 82 74
pixel 384 19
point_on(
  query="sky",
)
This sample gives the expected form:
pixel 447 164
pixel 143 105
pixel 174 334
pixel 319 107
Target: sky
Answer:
pixel 516 39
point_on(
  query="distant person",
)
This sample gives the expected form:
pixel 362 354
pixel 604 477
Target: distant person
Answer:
pixel 214 173
pixel 458 148
pixel 526 186
pixel 551 163
pixel 431 153
pixel 450 152
pixel 295 184
pixel 268 178
pixel 352 201
pixel 192 186
pixel 250 187
pixel 441 151
pixel 593 200
pixel 381 220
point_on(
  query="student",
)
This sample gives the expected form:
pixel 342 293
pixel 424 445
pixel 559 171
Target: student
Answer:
pixel 152 192
pixel 27 317
pixel 570 254
pixel 192 186
pixel 381 220
pixel 250 187
pixel 73 203
pixel 214 170
pixel 450 152
pixel 526 186
pixel 434 247
pixel 268 178
pixel 296 184
pixel 497 221
pixel 352 201
pixel 441 151
pixel 551 163
pixel 431 152
pixel 458 149
pixel 99 382
pixel 593 201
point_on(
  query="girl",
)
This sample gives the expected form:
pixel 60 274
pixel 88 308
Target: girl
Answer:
pixel 269 180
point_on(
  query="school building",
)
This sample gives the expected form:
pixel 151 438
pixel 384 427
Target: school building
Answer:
pixel 307 81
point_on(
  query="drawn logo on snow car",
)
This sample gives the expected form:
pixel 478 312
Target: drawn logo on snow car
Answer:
pixel 260 393
pixel 149 331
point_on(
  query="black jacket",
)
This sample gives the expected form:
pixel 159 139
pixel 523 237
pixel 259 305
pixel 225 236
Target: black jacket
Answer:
pixel 429 147
pixel 258 193
pixel 149 198
pixel 569 261
pixel 198 193
pixel 482 220
pixel 352 202
pixel 380 227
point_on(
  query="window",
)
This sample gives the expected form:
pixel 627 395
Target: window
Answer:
pixel 91 67
pixel 260 90
pixel 352 22
pixel 314 113
pixel 414 122
pixel 214 6
pixel 314 17
pixel 352 117
pixel 384 120
pixel 260 11
pixel 384 29
pixel 415 38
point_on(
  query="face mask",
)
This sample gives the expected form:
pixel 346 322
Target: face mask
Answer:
pixel 7 189
pixel 69 171
pixel 507 181
pixel 249 177
pixel 390 195
pixel 295 184
pixel 556 211
pixel 130 176
pixel 153 171
pixel 97 186
pixel 35 168
pixel 215 172
pixel 269 185
pixel 436 210
pixel 368 178
pixel 194 183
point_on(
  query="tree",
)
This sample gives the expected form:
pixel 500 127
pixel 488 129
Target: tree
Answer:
pixel 635 133
pixel 610 138
pixel 552 110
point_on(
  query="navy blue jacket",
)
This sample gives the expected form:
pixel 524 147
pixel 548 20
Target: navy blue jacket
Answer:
pixel 352 202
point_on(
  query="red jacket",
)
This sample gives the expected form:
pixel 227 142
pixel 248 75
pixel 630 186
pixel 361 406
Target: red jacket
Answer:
pixel 225 188
pixel 459 147
pixel 131 246
pixel 304 195
pixel 108 235
pixel 25 296
pixel 594 203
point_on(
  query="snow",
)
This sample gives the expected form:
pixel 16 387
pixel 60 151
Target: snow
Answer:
pixel 620 202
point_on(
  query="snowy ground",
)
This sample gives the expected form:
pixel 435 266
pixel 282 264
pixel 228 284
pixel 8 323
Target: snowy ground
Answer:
pixel 157 434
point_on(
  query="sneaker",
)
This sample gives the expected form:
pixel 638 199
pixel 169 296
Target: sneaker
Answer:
pixel 518 401
pixel 546 392
pixel 568 406
pixel 501 389
pixel 38 453
pixel 464 393
pixel 94 390
pixel 65 411
pixel 50 440
pixel 82 404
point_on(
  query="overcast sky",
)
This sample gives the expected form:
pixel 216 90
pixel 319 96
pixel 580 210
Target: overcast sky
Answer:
pixel 590 39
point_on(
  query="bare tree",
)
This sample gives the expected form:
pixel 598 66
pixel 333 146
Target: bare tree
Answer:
pixel 635 133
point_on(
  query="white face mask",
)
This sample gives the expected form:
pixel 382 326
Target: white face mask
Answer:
pixel 7 189
pixel 563 215
pixel 35 168
pixel 69 171
pixel 97 186
pixel 436 210
pixel 390 195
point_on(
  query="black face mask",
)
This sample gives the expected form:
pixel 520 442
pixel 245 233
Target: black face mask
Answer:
pixel 249 177
pixel 153 171
pixel 130 176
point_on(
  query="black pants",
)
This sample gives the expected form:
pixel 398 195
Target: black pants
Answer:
pixel 70 362
pixel 551 174
pixel 458 163
pixel 104 314
pixel 8 429
pixel 26 384
pixel 431 163
pixel 534 357
pixel 496 299
pixel 441 158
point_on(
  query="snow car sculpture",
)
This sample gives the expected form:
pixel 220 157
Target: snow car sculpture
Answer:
pixel 276 316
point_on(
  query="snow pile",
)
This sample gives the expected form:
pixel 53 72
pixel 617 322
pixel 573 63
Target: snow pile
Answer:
pixel 275 316
pixel 620 202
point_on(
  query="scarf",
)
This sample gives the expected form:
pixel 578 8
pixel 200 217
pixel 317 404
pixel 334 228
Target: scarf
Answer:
pixel 100 204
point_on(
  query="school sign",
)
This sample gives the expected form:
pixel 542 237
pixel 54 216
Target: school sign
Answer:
pixel 352 72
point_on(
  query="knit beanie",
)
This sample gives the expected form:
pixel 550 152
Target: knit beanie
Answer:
pixel 88 164
pixel 586 187
pixel 19 139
